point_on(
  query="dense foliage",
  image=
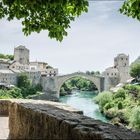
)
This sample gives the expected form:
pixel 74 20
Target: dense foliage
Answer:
pixel 11 57
pixel 131 8
pixel 12 93
pixel 77 83
pixel 135 71
pixel 25 89
pixel 122 107
pixel 135 118
pixel 36 15
pixel 53 15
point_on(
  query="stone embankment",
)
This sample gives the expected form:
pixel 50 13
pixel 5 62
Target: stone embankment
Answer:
pixel 33 119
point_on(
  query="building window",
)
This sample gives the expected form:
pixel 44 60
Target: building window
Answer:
pixel 121 58
pixel 126 59
pixel 112 74
pixel 107 73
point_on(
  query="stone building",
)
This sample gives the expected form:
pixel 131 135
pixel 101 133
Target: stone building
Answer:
pixel 119 73
pixel 121 62
pixel 9 70
pixel 7 76
pixel 41 66
pixel 4 64
pixel 18 66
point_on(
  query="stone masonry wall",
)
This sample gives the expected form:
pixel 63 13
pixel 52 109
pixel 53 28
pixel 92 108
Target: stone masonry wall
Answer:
pixel 4 107
pixel 31 119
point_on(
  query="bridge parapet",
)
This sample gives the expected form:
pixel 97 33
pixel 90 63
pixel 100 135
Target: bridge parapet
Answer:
pixel 79 73
pixel 31 119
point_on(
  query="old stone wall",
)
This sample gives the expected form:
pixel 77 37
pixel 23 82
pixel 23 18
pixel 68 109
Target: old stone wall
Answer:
pixel 4 107
pixel 31 119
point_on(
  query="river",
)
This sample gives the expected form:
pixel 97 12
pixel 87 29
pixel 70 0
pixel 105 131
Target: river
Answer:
pixel 84 100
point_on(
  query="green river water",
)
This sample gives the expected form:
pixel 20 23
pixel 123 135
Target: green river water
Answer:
pixel 84 100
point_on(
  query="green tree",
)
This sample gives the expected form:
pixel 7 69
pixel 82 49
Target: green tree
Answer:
pixel 135 71
pixel 97 73
pixel 36 15
pixel 92 72
pixel 131 8
pixel 88 72
pixel 11 57
pixel 23 81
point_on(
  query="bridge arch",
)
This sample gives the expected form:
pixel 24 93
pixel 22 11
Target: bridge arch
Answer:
pixel 97 80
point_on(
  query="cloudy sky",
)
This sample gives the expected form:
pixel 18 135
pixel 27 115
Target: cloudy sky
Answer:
pixel 94 39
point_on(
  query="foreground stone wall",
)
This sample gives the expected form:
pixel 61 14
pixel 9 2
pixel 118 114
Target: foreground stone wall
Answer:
pixel 31 119
pixel 4 107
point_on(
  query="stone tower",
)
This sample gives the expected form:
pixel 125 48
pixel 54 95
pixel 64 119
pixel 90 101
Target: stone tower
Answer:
pixel 121 62
pixel 21 55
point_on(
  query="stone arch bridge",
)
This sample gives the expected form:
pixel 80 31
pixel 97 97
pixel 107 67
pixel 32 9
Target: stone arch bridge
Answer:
pixel 52 85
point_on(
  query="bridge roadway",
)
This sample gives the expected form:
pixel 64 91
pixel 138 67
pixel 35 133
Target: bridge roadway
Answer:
pixel 4 129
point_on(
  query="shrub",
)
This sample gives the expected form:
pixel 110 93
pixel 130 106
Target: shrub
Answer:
pixel 120 105
pixel 15 92
pixel 121 93
pixel 135 118
pixel 4 94
pixel 133 89
pixel 135 71
pixel 103 98
pixel 108 106
pixel 111 113
pixel 126 114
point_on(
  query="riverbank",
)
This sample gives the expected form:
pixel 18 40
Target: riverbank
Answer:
pixel 122 107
